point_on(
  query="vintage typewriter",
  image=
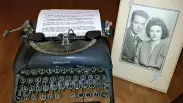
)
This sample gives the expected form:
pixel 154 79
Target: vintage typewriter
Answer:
pixel 63 69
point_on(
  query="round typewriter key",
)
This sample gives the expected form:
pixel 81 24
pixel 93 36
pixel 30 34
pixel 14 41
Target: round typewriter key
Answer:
pixel 61 87
pixel 19 98
pixel 22 80
pixel 86 69
pixel 74 95
pixel 38 88
pixel 34 97
pixel 63 70
pixel 78 70
pixel 70 87
pixel 54 87
pixel 24 89
pixel 77 86
pixel 32 88
pixel 49 71
pixel 57 71
pixel 106 84
pixel 85 86
pixel 27 72
pixel 93 69
pixel 97 77
pixel 61 78
pixel 45 79
pixel 41 71
pixel 96 94
pixel 27 97
pixel 53 78
pixel 104 95
pixel 88 94
pixel 57 96
pixel 45 88
pixel 23 71
pixel 50 96
pixel 71 70
pixel 83 77
pixel 100 69
pixel 43 97
pixel 34 72
pixel 92 85
pixel 68 78
pixel 38 79
pixel 75 78
pixel 90 77
pixel 30 80
pixel 80 95
pixel 104 77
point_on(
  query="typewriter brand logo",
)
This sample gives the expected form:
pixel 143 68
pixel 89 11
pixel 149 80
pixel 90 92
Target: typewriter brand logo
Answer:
pixel 61 62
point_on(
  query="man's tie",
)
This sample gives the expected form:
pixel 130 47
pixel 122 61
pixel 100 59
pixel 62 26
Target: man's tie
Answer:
pixel 135 40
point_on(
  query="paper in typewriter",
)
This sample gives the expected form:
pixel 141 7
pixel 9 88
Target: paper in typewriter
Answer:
pixel 56 21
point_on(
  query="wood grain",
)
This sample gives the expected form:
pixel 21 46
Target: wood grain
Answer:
pixel 15 12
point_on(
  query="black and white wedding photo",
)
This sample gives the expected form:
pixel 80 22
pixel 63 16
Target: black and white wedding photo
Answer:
pixel 147 37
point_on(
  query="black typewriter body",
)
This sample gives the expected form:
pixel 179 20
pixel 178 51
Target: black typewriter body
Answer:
pixel 40 77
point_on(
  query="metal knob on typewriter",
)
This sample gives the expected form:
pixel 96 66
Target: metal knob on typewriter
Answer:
pixel 45 79
pixel 27 97
pixel 49 71
pixel 97 77
pixel 81 95
pixel 74 95
pixel 22 80
pixel 30 80
pixel 58 96
pixel 83 77
pixel 88 94
pixel 61 78
pixel 51 96
pixel 53 78
pixel 96 94
pixel 27 72
pixel 34 97
pixel 43 97
pixel 63 70
pixel 38 79
pixel 57 71
pixel 75 78
pixel 90 77
pixel 93 69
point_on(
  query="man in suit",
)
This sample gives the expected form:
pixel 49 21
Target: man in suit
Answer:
pixel 137 24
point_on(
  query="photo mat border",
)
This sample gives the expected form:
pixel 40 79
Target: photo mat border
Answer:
pixel 160 8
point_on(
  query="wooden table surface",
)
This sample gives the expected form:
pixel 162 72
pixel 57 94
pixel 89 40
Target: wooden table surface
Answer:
pixel 13 13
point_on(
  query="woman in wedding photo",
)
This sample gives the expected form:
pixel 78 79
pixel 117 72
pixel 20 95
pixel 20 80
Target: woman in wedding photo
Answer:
pixel 152 53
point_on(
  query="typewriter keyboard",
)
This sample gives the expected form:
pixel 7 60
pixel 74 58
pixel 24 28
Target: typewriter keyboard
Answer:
pixel 62 85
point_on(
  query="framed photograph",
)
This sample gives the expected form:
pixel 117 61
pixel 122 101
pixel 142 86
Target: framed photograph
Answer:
pixel 147 42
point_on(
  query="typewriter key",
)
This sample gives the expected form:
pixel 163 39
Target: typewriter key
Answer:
pixel 23 71
pixel 57 96
pixel 86 69
pixel 88 94
pixel 90 77
pixel 85 86
pixel 83 77
pixel 27 97
pixel 32 88
pixel 63 70
pixel 57 71
pixel 43 97
pixel 38 79
pixel 34 97
pixel 97 77
pixel 30 80
pixel 22 80
pixel 100 69
pixel 27 72
pixel 104 95
pixel 24 89
pixel 93 69
pixel 75 78
pixel 61 87
pixel 45 88
pixel 70 87
pixel 49 71
pixel 71 70
pixel 92 85
pixel 80 95
pixel 19 98
pixel 34 72
pixel 78 70
pixel 60 78
pixel 41 71
pixel 106 84
pixel 77 86
pixel 74 95
pixel 68 78
pixel 45 79
pixel 53 78
pixel 96 94
pixel 50 96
